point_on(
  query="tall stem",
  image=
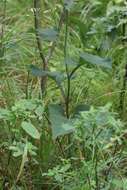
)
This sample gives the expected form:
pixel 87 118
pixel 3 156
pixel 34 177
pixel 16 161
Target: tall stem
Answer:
pixel 66 66
pixel 37 27
pixel 67 100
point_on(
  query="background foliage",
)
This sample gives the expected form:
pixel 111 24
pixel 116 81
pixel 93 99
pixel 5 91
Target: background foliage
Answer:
pixel 63 75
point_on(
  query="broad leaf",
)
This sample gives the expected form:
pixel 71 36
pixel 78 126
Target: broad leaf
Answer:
pixel 59 123
pixel 30 130
pixel 57 76
pixel 38 72
pixel 48 34
pixel 96 60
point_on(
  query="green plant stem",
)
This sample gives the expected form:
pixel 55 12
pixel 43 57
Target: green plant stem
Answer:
pixel 45 60
pixel 66 66
pixel 75 69
pixel 39 44
pixel 37 27
pixel 67 101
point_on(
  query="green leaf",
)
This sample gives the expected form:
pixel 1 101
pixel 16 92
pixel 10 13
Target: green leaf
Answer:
pixel 59 123
pixel 38 72
pixel 48 34
pixel 30 130
pixel 57 76
pixel 96 60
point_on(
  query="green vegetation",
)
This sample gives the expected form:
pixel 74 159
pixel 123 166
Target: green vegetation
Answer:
pixel 63 102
